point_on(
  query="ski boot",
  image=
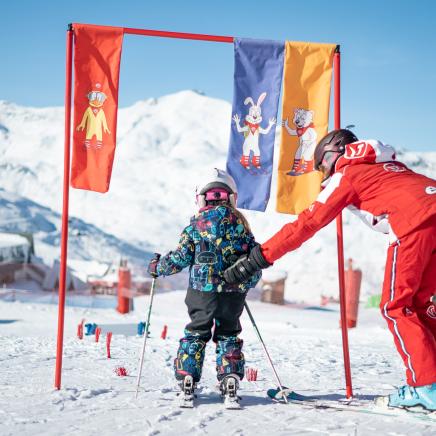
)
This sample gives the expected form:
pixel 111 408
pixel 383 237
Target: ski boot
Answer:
pixel 408 397
pixel 187 395
pixel 229 391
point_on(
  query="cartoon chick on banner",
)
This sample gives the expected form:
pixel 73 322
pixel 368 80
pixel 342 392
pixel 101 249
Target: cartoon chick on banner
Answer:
pixel 94 119
pixel 97 55
pixel 305 113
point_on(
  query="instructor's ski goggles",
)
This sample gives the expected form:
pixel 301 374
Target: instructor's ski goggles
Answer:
pixel 328 160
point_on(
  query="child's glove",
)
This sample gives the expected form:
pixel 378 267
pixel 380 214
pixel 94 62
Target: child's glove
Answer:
pixel 246 266
pixel 152 266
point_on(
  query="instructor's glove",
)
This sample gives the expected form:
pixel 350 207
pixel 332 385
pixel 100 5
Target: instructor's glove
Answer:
pixel 152 266
pixel 246 266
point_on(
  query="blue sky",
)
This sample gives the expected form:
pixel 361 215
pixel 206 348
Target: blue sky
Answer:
pixel 388 53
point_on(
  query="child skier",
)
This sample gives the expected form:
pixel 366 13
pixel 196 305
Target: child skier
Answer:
pixel 216 236
pixel 365 177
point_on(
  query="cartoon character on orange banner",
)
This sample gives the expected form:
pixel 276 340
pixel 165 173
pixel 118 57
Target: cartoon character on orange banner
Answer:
pixel 251 131
pixel 305 130
pixel 94 119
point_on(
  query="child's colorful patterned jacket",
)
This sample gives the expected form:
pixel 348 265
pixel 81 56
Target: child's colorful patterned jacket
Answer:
pixel 213 241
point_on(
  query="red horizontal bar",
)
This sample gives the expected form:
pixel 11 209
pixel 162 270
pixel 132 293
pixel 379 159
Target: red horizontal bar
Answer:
pixel 178 35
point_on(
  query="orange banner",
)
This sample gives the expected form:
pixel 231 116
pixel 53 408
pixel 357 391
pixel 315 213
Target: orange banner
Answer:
pixel 97 54
pixel 305 114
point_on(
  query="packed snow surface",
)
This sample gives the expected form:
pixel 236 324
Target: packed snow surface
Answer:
pixel 305 346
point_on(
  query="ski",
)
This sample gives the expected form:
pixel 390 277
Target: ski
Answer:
pixel 231 403
pixel 186 402
pixel 354 405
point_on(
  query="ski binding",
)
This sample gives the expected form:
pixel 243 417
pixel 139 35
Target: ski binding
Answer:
pixel 187 395
pixel 229 391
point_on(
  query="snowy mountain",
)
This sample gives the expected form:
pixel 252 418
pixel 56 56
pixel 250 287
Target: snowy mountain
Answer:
pixel 86 241
pixel 164 145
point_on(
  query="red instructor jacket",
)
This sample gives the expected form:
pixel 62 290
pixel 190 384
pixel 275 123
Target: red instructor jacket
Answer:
pixel 386 194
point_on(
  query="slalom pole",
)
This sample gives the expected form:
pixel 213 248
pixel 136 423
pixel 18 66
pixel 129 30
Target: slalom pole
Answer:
pixel 340 238
pixel 265 350
pixel 64 231
pixel 147 326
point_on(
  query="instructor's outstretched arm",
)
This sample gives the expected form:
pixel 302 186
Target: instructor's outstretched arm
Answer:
pixel 338 194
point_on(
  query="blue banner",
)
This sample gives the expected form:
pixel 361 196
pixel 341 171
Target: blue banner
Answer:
pixel 257 82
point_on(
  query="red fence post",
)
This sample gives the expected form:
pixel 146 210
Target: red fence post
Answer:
pixel 80 331
pixel 353 280
pixel 251 374
pixel 340 239
pixel 163 335
pixel 97 333
pixel 124 288
pixel 108 344
pixel 64 234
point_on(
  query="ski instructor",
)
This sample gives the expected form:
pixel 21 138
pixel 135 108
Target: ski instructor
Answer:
pixel 365 177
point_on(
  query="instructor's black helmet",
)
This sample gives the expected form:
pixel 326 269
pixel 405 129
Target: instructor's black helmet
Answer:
pixel 330 149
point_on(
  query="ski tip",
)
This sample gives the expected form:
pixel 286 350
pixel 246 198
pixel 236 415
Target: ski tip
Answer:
pixel 232 404
pixel 286 394
pixel 233 407
pixel 186 403
pixel 278 394
pixel 272 393
pixel 382 402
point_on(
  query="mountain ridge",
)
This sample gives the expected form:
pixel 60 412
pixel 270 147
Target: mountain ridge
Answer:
pixel 164 145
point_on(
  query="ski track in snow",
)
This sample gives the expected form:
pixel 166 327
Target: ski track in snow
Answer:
pixel 305 346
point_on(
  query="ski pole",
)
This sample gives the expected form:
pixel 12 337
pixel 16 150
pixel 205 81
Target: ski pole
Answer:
pixel 147 326
pixel 266 351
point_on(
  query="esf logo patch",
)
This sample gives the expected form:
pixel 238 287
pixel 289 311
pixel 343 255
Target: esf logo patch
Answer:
pixel 430 190
pixel 431 311
pixel 206 258
pixel 356 150
pixel 393 168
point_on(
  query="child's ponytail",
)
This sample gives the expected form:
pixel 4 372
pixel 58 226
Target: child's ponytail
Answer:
pixel 241 216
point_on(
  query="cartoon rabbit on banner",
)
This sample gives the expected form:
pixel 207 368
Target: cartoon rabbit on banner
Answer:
pixel 251 131
pixel 257 82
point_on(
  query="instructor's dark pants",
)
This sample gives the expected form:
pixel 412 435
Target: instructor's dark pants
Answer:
pixel 220 312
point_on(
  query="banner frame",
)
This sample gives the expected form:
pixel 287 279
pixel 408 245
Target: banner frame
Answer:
pixel 66 187
pixel 339 234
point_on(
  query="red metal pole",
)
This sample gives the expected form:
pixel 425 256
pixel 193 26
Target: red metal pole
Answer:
pixel 340 239
pixel 178 35
pixel 64 234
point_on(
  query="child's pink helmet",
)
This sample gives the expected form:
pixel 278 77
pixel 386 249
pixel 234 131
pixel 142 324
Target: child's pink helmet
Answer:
pixel 218 185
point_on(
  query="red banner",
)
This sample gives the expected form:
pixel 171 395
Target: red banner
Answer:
pixel 97 54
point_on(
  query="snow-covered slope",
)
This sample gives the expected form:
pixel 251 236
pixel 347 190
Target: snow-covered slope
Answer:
pixel 164 146
pixel 305 346
pixel 86 241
